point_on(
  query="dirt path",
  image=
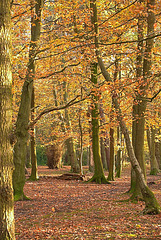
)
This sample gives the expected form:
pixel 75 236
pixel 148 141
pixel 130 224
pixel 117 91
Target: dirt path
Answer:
pixel 62 209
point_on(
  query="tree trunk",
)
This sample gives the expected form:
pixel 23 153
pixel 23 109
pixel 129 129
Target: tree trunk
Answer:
pixel 24 110
pixel 158 152
pixel 112 145
pixel 138 114
pixel 6 134
pixel 28 156
pixel 107 151
pixel 154 169
pixel 72 155
pixel 70 143
pixel 119 153
pixel 34 171
pixel 98 176
pixel 112 156
pixel 138 145
pixel 103 154
pixel 81 146
pixel 105 141
pixel 91 162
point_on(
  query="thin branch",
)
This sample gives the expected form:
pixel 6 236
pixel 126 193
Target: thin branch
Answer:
pixel 20 14
pixel 130 41
pixel 117 12
pixel 149 99
pixel 60 71
pixel 100 43
pixel 21 50
pixel 52 109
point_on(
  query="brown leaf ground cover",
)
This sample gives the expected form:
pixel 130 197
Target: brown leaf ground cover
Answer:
pixel 63 209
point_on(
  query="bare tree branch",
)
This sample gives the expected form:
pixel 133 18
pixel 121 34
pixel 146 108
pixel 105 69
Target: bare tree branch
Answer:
pixel 60 71
pixel 149 99
pixel 52 109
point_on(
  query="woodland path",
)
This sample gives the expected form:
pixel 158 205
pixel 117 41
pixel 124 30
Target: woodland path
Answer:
pixel 71 209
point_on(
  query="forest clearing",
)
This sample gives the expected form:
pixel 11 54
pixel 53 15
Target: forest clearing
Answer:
pixel 72 209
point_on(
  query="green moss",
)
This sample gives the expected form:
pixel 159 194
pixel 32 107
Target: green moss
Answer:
pixel 118 173
pixel 135 197
pixel 33 178
pixel 20 197
pixel 100 179
pixel 152 207
pixel 110 177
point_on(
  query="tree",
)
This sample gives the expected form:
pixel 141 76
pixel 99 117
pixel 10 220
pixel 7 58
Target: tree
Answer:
pixel 98 176
pixel 143 72
pixel 24 109
pixel 154 168
pixel 34 172
pixel 151 204
pixel 71 153
pixel 158 149
pixel 112 156
pixel 6 134
pixel 119 153
pixel 138 109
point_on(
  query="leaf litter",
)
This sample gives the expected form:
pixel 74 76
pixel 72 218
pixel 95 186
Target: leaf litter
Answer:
pixel 63 209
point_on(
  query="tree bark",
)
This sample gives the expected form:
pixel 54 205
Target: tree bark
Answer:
pixel 105 149
pixel 6 134
pixel 103 153
pixel 34 172
pixel 98 176
pixel 70 143
pixel 81 146
pixel 72 155
pixel 158 152
pixel 138 144
pixel 154 169
pixel 139 108
pixel 112 156
pixel 119 151
pixel 91 162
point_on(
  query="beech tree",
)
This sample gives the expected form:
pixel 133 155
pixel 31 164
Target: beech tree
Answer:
pixel 24 109
pixel 98 176
pixel 154 168
pixel 143 71
pixel 151 204
pixel 6 134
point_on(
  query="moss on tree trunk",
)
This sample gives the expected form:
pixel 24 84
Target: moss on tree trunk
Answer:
pixel 25 106
pixel 151 204
pixel 154 168
pixel 34 172
pixel 98 176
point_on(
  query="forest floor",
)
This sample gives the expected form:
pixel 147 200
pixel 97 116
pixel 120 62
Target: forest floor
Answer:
pixel 72 209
